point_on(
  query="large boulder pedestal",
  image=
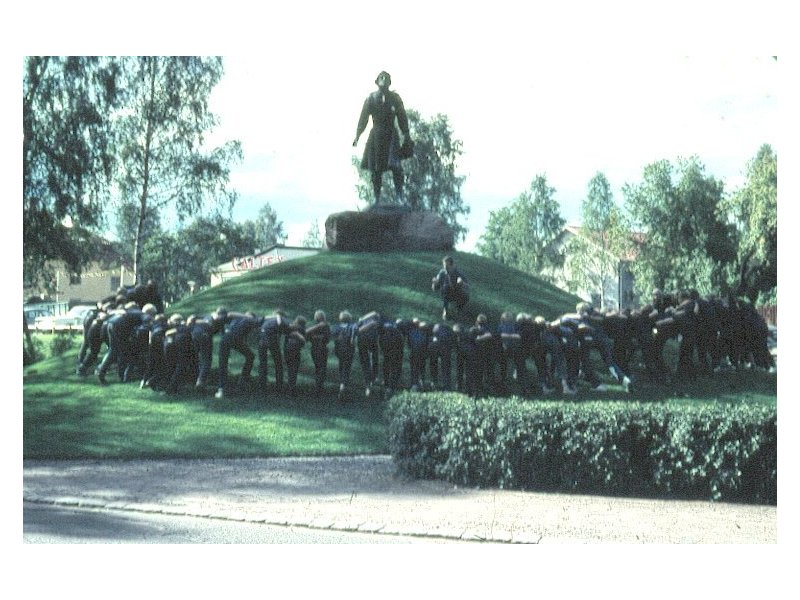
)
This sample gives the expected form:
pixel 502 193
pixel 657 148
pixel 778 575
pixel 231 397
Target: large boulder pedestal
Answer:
pixel 387 228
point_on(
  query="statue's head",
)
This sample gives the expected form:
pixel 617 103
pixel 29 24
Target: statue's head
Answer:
pixel 383 80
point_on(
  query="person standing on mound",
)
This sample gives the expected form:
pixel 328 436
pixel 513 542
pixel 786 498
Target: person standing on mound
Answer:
pixel 452 285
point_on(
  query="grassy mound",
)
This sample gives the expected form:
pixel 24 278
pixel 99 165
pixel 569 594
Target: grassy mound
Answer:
pixel 397 284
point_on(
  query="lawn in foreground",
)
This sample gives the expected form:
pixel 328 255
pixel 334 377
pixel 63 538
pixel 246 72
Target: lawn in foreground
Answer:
pixel 66 416
pixel 69 417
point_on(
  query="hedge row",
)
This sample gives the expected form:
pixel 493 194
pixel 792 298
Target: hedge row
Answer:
pixel 726 453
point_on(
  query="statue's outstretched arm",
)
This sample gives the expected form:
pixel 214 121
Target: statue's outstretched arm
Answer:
pixel 362 121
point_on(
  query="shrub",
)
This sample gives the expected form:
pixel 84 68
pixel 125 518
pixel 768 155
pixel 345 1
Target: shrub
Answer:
pixel 33 351
pixel 619 448
pixel 61 343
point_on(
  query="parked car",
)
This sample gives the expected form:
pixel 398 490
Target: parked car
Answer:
pixel 32 314
pixel 72 320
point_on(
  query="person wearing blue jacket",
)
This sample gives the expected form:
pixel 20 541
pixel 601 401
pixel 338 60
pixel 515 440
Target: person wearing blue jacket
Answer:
pixel 344 334
pixel 273 329
pixel 452 286
pixel 202 332
pixel 95 336
pixel 121 328
pixel 465 351
pixel 418 335
pixel 293 344
pixel 154 374
pixel 368 331
pixel 485 347
pixel 235 337
pixel 440 351
pixel 319 335
pixel 509 351
pixel 392 344
pixel 178 353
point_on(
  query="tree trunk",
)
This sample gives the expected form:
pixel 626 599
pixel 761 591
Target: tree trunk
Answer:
pixel 148 138
pixel 29 351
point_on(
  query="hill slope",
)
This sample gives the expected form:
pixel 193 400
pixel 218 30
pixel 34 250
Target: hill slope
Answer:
pixel 397 284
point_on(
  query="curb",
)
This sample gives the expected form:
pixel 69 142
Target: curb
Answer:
pixel 271 519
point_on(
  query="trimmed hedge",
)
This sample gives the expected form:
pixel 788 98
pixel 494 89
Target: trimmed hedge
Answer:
pixel 726 453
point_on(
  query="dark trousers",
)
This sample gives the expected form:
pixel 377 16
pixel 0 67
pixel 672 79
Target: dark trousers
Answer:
pixel 345 366
pixel 686 349
pixel 472 375
pixel 202 346
pixel 265 348
pixel 226 345
pixel 417 358
pixel 441 363
pixel 602 345
pixel 319 355
pixel 454 293
pixel 90 356
pixel 572 359
pixel 137 359
pixel 392 367
pixel 377 181
pixel 292 356
pixel 154 368
pixel 461 367
pixel 515 357
pixel 368 354
pixel 177 363
pixel 117 353
pixel 543 373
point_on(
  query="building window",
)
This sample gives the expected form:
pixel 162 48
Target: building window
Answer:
pixel 75 279
pixel 114 283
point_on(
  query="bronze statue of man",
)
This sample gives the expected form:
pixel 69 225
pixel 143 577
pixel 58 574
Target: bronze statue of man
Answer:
pixel 384 149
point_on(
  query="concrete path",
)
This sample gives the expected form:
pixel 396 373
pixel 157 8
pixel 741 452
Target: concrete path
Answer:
pixel 364 493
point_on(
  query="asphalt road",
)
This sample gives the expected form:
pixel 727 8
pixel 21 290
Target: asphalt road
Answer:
pixel 365 494
pixel 52 524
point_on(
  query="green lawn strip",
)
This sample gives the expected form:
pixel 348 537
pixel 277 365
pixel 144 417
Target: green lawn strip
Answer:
pixel 66 416
pixel 70 417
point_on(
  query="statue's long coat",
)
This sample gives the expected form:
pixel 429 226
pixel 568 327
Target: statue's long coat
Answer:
pixel 388 114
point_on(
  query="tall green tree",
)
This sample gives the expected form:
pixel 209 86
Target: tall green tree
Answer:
pixel 522 235
pixel 593 257
pixel 67 158
pixel 431 179
pixel 314 237
pixel 686 241
pixel 193 251
pixel 265 230
pixel 128 219
pixel 753 210
pixel 161 140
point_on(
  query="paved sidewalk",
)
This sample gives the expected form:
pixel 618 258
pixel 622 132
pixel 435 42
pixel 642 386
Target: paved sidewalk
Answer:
pixel 364 493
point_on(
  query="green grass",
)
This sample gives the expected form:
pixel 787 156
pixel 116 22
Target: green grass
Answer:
pixel 397 284
pixel 65 416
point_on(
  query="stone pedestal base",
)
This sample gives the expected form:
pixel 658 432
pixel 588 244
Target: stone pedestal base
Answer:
pixel 386 228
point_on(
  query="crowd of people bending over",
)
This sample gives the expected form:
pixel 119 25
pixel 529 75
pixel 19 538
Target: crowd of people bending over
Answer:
pixel 169 352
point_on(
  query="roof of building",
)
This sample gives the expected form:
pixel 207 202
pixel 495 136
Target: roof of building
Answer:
pixel 255 257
